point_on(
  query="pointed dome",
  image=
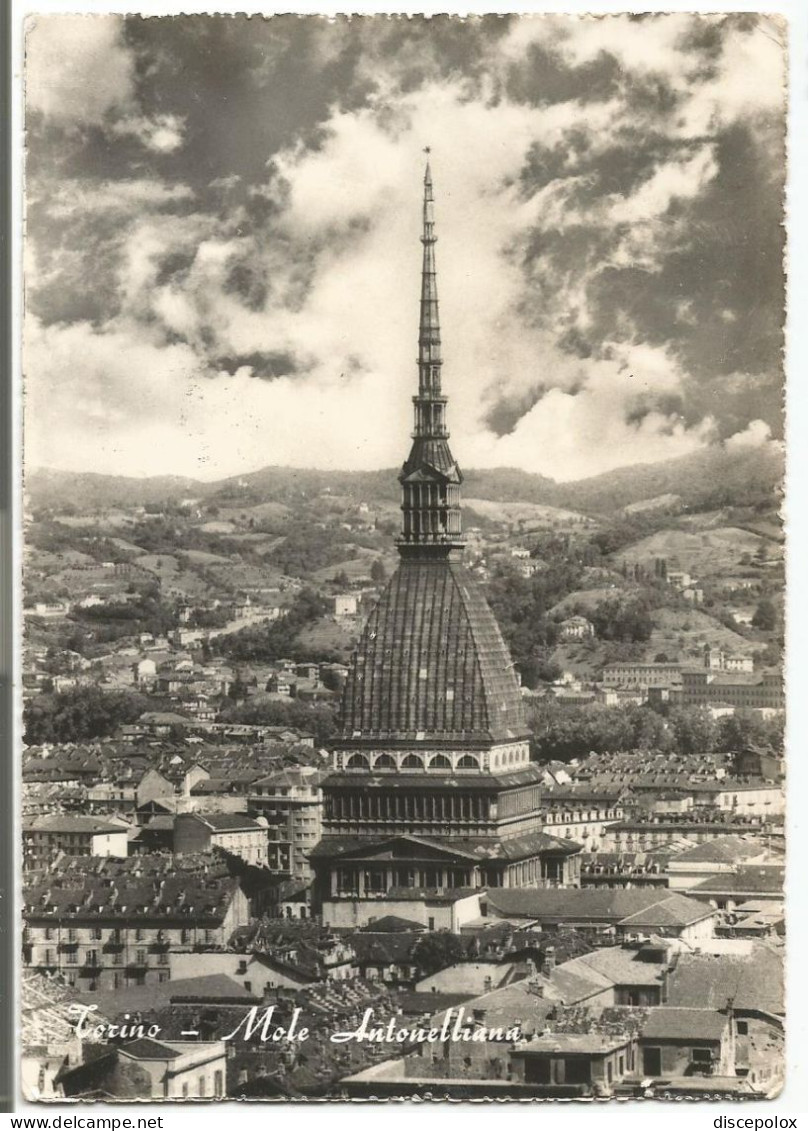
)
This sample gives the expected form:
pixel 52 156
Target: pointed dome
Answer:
pixel 431 665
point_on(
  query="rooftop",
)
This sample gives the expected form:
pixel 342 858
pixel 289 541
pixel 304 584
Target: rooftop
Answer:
pixel 431 664
pixel 672 1023
pixel 68 823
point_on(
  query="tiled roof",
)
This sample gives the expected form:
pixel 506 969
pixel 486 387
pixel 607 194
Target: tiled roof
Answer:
pixel 484 848
pixel 229 822
pixel 392 923
pixel 749 981
pixel 147 1049
pixel 67 823
pixel 482 782
pixel 431 663
pixel 722 849
pixel 760 878
pixel 670 1023
pixel 619 965
pixel 673 910
pixel 580 904
pixel 574 1043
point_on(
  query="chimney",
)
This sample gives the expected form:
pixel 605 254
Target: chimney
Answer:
pixel 548 964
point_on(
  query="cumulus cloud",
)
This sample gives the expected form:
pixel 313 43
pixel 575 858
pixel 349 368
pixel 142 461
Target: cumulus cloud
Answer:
pixel 754 435
pixel 80 73
pixel 77 68
pixel 605 298
pixel 162 134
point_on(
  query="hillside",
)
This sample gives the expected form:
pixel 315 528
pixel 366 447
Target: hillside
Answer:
pixel 706 553
pixel 713 478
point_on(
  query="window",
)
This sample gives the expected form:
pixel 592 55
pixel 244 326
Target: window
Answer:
pixel 218 1083
pixel 652 1061
pixel 202 1085
pixel 742 1028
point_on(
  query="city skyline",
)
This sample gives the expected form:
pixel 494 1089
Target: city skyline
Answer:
pixel 212 285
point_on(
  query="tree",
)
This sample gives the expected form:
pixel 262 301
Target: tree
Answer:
pixel 437 950
pixel 318 719
pixel 80 714
pixel 745 728
pixel 765 617
pixel 694 730
pixel 237 690
pixel 377 571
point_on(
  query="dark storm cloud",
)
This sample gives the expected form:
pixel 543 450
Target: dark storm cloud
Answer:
pixel 266 366
pixel 714 289
pixel 544 77
pixel 505 414
pixel 646 220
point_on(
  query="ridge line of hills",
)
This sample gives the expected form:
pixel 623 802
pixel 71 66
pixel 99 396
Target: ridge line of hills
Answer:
pixel 713 477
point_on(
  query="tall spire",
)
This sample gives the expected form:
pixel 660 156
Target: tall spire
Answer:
pixel 429 331
pixel 430 478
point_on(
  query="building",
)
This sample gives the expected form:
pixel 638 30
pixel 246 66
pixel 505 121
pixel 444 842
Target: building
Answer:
pixel 433 785
pixel 346 605
pixel 290 801
pixel 713 858
pixel 590 1062
pixel 581 815
pixel 759 691
pixel 104 924
pixel 144 672
pixel 44 838
pixel 641 675
pixel 576 628
pixel 679 1042
pixel 718 660
pixel 620 912
pixel 148 1069
pixel 646 833
pixel 233 833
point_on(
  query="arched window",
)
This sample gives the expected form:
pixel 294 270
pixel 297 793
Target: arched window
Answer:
pixel 468 763
pixel 357 762
pixel 440 762
pixel 385 762
pixel 412 762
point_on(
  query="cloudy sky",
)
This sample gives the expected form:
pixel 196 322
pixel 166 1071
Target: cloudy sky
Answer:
pixel 223 257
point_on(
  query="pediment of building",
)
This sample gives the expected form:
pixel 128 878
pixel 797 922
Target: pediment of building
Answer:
pixel 405 848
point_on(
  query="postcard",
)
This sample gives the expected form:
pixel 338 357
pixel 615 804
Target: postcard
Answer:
pixel 404 568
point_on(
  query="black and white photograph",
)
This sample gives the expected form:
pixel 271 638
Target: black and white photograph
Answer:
pixel 402 667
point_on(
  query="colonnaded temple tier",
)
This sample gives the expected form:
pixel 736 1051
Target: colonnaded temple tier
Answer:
pixel 434 789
